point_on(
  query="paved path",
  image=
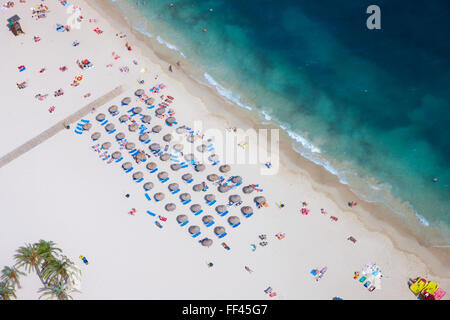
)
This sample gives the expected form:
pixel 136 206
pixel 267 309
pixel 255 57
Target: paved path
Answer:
pixel 50 132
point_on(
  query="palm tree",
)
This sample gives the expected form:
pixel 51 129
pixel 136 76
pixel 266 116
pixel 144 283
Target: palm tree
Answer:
pixel 47 250
pixel 11 275
pixel 60 271
pixel 7 291
pixel 60 291
pixel 30 258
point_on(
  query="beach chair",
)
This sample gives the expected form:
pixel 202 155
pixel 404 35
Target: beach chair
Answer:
pixel 224 213
pixel 196 235
pixel 112 131
pixel 129 170
pixel 211 203
pixel 154 170
pixel 165 180
pixel 78 132
pixel 120 159
pixel 236 225
pixel 184 223
pixel 176 191
pixel 140 180
pixel 186 202
pixel 185 166
pixel 189 181
pixel 198 212
pixel 159 225
pixel 104 122
pixel 209 224
pixel 148 197
pixel 151 213
pixel 148 141
pixel 222 235
pixel 248 215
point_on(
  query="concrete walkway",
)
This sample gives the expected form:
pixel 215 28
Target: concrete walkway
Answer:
pixel 50 132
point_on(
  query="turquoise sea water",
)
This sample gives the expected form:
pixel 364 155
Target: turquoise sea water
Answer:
pixel 370 106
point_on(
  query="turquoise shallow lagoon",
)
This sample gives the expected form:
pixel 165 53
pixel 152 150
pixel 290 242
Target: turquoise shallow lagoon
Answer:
pixel 371 107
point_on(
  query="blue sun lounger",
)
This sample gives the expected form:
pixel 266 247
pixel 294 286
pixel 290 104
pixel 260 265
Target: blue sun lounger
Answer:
pixel 163 181
pixel 176 191
pixel 140 180
pixel 184 223
pixel 185 166
pixel 154 170
pixel 222 235
pixel 223 214
pixel 215 163
pixel 211 203
pixel 248 215
pixel 174 160
pixel 129 170
pixel 235 225
pixel 210 145
pixel 148 141
pixel 131 110
pixel 78 132
pixel 133 152
pixel 85 121
pixel 112 131
pixel 198 212
pixel 150 107
pixel 186 202
pixel 190 180
pixel 151 213
pixel 120 159
pixel 148 197
pixel 196 235
pixel 209 224
pixel 104 122
pixel 238 184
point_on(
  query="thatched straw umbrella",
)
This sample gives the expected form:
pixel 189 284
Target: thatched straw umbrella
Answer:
pixel 165 157
pixel 223 188
pixel 170 206
pixel 137 110
pixel 154 147
pixel 149 101
pixel 189 157
pixel 175 166
pixel 130 145
pixel 100 117
pixel 96 135
pixel 116 155
pixel 127 165
pixel 178 147
pixel 146 119
pixel 194 229
pixel 109 127
pixel 195 208
pixel 148 185
pixel 87 126
pixel 143 137
pixel 236 179
pixel 206 242
pixel 106 145
pixel 207 219
pixel 200 167
pixel 212 177
pixel 162 175
pixel 235 198
pixel 170 120
pixel 247 210
pixel 221 208
pixel 219 231
pixel 160 111
pixel 233 220
pixel 214 157
pixel 174 187
pixel 113 109
pixel 190 139
pixel 138 175
pixel 120 136
pixel 168 137
pixel 201 148
pixel 157 129
pixel 126 101
pixel 186 176
pixel 124 118
pixel 151 166
pixel 159 196
pixel 225 168
pixel 185 196
pixel 133 127
pixel 197 187
pixel 139 92
pixel 181 130
pixel 260 200
pixel 140 156
pixel 210 197
pixel 182 218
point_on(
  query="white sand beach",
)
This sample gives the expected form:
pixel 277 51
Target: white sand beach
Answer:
pixel 62 190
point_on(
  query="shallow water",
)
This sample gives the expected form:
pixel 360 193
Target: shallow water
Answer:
pixel 370 106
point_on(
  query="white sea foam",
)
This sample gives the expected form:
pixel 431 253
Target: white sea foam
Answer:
pixel 169 45
pixel 422 220
pixel 228 94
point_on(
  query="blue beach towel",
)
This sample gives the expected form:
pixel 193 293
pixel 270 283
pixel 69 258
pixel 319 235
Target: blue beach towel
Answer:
pixel 151 213
pixel 147 196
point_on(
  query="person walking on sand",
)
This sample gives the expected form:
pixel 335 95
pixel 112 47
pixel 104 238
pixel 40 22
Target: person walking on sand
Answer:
pixel 248 269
